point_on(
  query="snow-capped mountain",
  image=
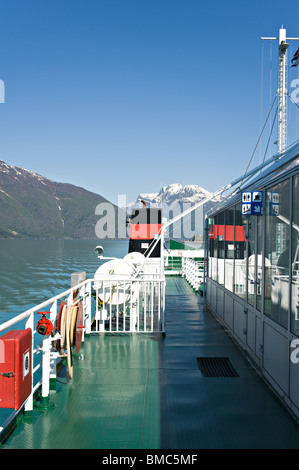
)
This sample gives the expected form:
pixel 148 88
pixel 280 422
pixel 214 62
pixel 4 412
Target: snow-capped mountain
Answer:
pixel 172 194
pixel 174 199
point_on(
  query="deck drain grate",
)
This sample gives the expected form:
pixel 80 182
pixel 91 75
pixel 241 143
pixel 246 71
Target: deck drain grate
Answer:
pixel 216 367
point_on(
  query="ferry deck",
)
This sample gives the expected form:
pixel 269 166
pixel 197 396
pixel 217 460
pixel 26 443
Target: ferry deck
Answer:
pixel 151 392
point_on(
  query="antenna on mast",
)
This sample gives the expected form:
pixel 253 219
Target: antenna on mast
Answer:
pixel 281 92
pixel 283 46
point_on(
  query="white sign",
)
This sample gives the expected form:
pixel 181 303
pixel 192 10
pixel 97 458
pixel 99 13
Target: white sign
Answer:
pixel 26 363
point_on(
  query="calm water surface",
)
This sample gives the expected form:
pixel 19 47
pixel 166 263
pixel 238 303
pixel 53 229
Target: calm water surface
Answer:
pixel 32 271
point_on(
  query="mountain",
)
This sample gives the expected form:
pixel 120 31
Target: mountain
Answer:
pixel 175 194
pixel 33 206
pixel 174 199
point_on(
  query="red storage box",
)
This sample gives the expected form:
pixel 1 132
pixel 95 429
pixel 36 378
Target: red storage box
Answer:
pixel 15 368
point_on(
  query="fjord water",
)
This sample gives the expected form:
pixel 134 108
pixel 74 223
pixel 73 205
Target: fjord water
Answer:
pixel 32 271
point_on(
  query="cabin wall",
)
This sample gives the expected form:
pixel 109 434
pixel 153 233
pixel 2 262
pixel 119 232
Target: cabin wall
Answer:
pixel 253 281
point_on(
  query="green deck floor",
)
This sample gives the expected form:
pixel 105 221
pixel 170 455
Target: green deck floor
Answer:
pixel 147 392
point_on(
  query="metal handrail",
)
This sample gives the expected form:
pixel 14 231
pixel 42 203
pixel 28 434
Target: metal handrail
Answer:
pixel 44 364
pixel 45 346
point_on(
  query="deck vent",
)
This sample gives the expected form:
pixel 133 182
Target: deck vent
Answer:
pixel 216 367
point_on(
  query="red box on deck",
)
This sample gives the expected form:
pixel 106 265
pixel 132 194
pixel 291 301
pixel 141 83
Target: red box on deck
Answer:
pixel 15 368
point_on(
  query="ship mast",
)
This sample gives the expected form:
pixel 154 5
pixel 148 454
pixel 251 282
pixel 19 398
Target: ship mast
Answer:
pixel 281 92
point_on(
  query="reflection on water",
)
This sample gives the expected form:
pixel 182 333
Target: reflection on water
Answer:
pixel 32 271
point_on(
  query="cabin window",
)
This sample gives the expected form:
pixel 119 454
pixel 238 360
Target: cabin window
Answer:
pixel 212 249
pixel 254 264
pixel 259 263
pixel 252 259
pixel 240 255
pixel 229 249
pixel 295 259
pixel 276 303
pixel 220 247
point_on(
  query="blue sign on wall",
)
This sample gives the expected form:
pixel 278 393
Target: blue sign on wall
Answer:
pixel 252 203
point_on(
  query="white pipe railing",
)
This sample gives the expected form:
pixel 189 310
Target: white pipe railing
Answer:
pixel 45 368
pixel 136 305
pixel 193 271
pixel 130 306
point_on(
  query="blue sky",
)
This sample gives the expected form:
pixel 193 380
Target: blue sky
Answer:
pixel 121 96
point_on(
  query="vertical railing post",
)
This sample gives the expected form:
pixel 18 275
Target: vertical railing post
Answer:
pixel 134 307
pixel 52 376
pixel 30 324
pixel 87 310
pixel 46 368
pixel 83 296
pixel 48 363
pixel 163 305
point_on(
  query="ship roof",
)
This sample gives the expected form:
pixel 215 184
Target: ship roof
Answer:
pixel 278 167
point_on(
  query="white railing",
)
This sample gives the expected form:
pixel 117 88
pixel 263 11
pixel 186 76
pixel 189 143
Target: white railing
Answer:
pixel 130 306
pixel 173 265
pixel 43 355
pixel 193 271
pixel 175 260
